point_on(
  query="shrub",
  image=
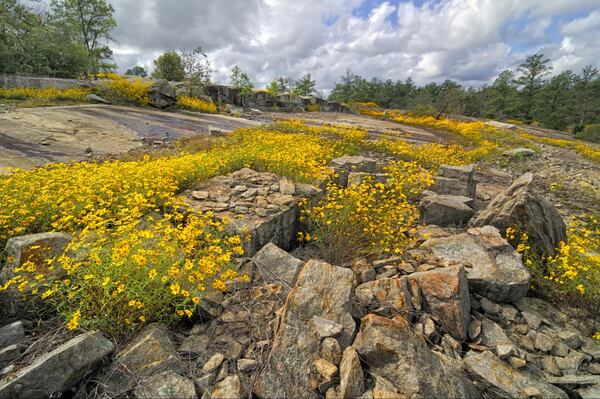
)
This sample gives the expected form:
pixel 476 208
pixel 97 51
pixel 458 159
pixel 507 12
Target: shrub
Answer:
pixel 78 94
pixel 118 89
pixel 196 104
pixel 370 218
pixel 589 133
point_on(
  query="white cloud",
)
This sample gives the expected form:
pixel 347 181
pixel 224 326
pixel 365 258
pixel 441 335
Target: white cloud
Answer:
pixel 466 40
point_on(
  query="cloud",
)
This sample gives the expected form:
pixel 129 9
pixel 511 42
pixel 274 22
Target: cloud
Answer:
pixel 466 40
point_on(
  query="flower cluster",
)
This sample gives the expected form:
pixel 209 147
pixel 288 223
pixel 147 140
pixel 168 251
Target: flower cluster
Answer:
pixel 78 94
pixel 589 151
pixel 119 89
pixel 196 104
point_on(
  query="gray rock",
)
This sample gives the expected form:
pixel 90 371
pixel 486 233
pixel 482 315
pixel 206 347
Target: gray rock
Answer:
pixel 9 354
pixel 247 365
pixel 579 386
pixel 212 363
pixel 444 293
pixel 12 333
pixel 455 180
pixel 571 338
pixel 194 345
pixel 346 164
pixel 522 208
pixel 573 363
pixel 161 94
pixel 150 351
pixel 550 366
pixel 276 265
pixel 166 385
pixel 543 342
pixel 357 178
pixel 325 328
pixel 391 350
pixel 445 210
pixel 229 388
pixel 204 383
pixel 97 99
pixel 389 295
pixel 351 374
pixel 331 351
pixel 497 271
pixel 493 336
pixel 34 247
pixel 59 369
pixel 518 152
pixel 321 290
pixel 501 380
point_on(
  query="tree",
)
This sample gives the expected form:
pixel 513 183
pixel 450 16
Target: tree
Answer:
pixel 278 86
pixel 137 71
pixel 240 80
pixel 305 86
pixel 532 72
pixel 91 22
pixel 558 105
pixel 169 66
pixel 503 94
pixel 584 93
pixel 343 91
pixel 448 98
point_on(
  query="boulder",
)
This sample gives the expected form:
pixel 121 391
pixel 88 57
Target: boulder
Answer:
pixel 165 386
pixel 58 370
pixel 455 180
pixel 444 210
pixel 346 164
pixel 12 333
pixel 495 269
pixel 149 352
pixel 351 374
pixel 276 265
pixel 321 290
pixel 32 247
pixel 162 94
pixel 392 351
pixel 498 379
pixel 387 296
pixel 229 388
pixel 444 293
pixel 520 207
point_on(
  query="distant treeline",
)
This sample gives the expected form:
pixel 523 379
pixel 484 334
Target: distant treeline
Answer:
pixel 566 101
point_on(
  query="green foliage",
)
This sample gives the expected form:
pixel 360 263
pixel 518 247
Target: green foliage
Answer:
pixel 531 74
pixel 590 133
pixel 305 86
pixel 169 66
pixel 137 71
pixel 197 70
pixel 88 22
pixel 240 80
pixel 279 85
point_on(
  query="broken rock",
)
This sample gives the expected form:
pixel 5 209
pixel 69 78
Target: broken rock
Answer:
pixel 276 265
pixel 445 210
pixel 165 386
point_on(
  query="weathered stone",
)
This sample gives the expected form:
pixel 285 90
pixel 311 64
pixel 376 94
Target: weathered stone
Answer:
pixel 247 365
pixel 571 338
pixel 150 351
pixel 12 333
pixel 276 265
pixel 474 329
pixel 580 386
pixel 321 290
pixel 517 362
pixel 550 366
pixel 210 305
pixel 36 248
pixel 518 152
pixel 59 369
pixel 331 351
pixel 161 94
pixel 9 354
pixel 573 363
pixel 326 369
pixel 543 342
pixel 351 374
pixel 490 307
pixel 500 380
pixel 493 336
pixel 505 351
pixel 520 207
pixel 444 210
pixel 212 363
pixel 194 345
pixel 444 294
pixel 286 186
pixel 357 178
pixel 166 385
pixel 455 180
pixel 497 271
pixel 343 166
pixel 325 328
pixel 229 388
pixel 389 294
pixel 391 350
pixel 200 195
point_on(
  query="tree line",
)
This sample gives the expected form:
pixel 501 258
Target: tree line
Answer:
pixel 567 100
pixel 69 39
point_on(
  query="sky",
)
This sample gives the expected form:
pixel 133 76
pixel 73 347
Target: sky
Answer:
pixel 470 41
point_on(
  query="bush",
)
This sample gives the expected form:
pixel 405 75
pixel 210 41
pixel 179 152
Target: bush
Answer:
pixel 196 104
pixel 78 94
pixel 589 133
pixel 118 89
pixel 365 219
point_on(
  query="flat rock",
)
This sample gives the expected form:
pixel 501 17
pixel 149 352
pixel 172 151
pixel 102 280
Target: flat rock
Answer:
pixel 388 294
pixel 59 369
pixel 393 351
pixel 12 333
pixel 497 271
pixel 166 385
pixel 321 290
pixel 444 294
pixel 455 180
pixel 276 265
pixel 518 152
pixel 501 380
pixel 445 210
pixel 520 207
